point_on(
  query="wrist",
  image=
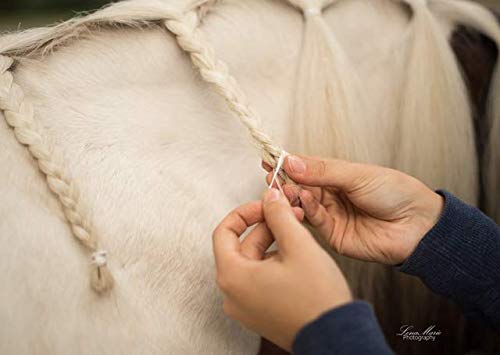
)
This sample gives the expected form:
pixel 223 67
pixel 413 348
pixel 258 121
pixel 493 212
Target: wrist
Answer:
pixel 426 217
pixel 431 213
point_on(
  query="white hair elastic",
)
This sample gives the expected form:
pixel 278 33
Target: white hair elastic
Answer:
pixel 312 11
pixel 277 169
pixel 100 258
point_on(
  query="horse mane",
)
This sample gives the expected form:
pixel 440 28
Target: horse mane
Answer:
pixel 329 116
pixel 325 87
pixel 183 22
pixel 327 111
pixel 126 13
pixel 477 17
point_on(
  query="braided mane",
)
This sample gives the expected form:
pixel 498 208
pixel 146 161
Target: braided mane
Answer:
pixel 183 22
pixel 335 111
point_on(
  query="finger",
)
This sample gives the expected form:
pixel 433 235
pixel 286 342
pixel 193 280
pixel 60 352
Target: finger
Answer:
pixel 299 213
pixel 269 178
pixel 317 192
pixel 266 166
pixel 255 244
pixel 291 190
pixel 271 254
pixel 317 215
pixel 292 194
pixel 325 172
pixel 287 230
pixel 226 244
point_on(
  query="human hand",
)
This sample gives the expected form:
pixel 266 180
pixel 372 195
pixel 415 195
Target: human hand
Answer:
pixel 275 294
pixel 363 211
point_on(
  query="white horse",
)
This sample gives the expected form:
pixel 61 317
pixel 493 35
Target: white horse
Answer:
pixel 120 106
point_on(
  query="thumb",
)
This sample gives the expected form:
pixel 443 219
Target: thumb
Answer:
pixel 325 172
pixel 288 232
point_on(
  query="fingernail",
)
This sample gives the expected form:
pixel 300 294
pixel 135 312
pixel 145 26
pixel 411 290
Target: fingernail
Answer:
pixel 297 165
pixel 271 195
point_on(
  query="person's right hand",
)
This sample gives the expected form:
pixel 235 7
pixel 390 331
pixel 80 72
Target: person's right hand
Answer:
pixel 363 211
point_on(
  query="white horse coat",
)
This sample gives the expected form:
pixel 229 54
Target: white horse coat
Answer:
pixel 158 160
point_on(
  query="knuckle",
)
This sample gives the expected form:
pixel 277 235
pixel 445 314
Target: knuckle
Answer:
pixel 274 208
pixel 224 283
pixel 216 232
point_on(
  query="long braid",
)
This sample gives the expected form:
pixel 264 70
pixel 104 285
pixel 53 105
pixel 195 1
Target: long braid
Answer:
pixel 216 72
pixel 21 118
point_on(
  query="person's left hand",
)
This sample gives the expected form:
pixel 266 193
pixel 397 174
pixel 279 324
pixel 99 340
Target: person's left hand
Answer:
pixel 275 294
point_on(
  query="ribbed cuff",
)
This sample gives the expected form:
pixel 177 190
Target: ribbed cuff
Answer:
pixel 348 329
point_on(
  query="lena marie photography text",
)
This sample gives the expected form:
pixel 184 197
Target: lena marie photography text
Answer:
pixel 408 332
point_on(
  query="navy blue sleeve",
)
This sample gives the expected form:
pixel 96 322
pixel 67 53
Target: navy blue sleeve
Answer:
pixel 459 258
pixel 351 329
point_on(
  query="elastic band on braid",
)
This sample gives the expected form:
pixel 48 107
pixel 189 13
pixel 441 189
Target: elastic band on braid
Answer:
pixel 20 116
pixel 216 72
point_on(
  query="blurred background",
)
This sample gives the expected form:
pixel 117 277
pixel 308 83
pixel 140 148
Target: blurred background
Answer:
pixel 22 14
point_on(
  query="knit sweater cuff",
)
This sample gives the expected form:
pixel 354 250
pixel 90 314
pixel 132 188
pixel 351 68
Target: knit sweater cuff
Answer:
pixel 459 259
pixel 348 329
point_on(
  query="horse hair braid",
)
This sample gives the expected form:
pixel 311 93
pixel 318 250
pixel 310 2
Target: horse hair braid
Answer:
pixel 216 72
pixel 21 118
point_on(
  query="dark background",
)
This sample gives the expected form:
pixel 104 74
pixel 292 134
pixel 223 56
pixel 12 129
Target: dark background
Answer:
pixel 33 5
pixel 21 14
